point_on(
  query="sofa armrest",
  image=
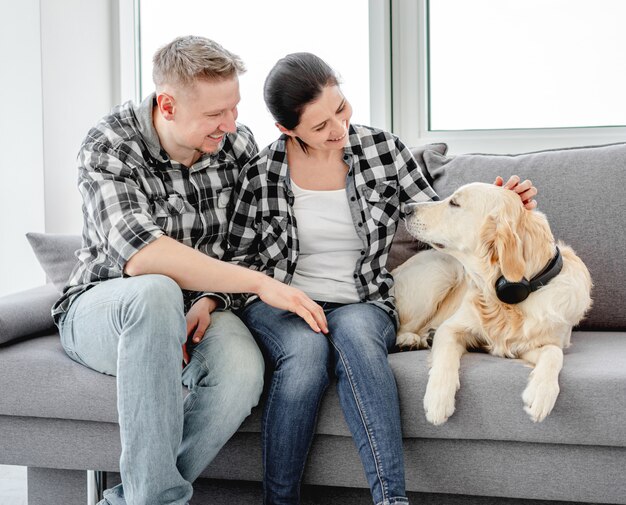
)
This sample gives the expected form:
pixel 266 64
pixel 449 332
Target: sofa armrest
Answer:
pixel 27 312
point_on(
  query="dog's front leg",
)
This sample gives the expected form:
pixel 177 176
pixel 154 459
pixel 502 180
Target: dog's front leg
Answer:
pixel 443 377
pixel 543 384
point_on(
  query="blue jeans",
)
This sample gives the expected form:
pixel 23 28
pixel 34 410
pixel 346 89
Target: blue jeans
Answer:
pixel 134 328
pixel 356 351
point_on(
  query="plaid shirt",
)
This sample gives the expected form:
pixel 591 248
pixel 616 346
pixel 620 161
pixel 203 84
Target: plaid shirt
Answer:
pixel 383 178
pixel 133 193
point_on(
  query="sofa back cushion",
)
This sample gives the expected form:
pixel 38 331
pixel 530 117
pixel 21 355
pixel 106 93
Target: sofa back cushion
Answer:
pixel 581 190
pixel 404 245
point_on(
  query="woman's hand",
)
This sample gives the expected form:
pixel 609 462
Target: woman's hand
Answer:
pixel 525 190
pixel 198 322
pixel 284 297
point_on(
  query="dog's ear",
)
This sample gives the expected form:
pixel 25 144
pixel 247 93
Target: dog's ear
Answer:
pixel 538 238
pixel 508 246
pixel 503 247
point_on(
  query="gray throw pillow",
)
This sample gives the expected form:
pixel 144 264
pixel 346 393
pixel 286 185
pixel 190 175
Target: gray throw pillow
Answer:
pixel 404 245
pixel 56 255
pixel 581 193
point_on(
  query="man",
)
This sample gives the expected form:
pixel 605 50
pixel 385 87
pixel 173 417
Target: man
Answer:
pixel 155 179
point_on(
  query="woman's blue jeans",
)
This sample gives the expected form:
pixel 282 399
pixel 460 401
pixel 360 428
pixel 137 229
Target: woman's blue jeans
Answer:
pixel 355 350
pixel 134 328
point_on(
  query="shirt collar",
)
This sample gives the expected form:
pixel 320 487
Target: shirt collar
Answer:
pixel 143 111
pixel 354 145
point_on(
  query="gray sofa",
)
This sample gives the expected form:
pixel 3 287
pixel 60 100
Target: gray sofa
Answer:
pixel 59 418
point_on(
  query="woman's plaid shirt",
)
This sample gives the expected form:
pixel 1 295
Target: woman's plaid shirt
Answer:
pixel 383 179
pixel 133 193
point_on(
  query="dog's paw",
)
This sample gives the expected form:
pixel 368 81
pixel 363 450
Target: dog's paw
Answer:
pixel 408 340
pixel 539 397
pixel 439 401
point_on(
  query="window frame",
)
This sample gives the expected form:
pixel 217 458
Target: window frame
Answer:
pixel 409 104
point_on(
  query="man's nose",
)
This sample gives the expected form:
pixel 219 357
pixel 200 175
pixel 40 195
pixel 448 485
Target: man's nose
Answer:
pixel 229 125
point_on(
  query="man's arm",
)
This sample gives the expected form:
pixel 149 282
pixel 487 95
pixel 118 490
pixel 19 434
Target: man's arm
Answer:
pixel 119 211
pixel 196 271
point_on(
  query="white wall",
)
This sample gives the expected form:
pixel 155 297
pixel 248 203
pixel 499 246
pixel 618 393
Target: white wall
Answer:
pixel 21 145
pixel 77 61
pixel 59 76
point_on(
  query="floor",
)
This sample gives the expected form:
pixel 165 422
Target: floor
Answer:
pixel 13 485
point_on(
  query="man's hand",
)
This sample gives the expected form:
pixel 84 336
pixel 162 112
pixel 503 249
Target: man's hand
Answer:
pixel 198 321
pixel 525 190
pixel 282 296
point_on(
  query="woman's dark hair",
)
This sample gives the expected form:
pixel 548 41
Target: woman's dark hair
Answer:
pixel 295 81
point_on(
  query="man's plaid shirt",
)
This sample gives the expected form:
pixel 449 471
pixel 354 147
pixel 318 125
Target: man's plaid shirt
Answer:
pixel 133 193
pixel 383 178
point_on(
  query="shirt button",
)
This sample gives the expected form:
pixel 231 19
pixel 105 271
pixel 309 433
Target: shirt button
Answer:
pixel 360 225
pixel 362 253
pixel 353 198
pixel 356 276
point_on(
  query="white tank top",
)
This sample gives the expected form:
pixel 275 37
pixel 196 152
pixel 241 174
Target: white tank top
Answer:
pixel 329 245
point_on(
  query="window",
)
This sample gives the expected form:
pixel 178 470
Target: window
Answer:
pixel 447 55
pixel 263 32
pixel 499 64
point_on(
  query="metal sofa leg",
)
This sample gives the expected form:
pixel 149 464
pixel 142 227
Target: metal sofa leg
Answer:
pixel 96 484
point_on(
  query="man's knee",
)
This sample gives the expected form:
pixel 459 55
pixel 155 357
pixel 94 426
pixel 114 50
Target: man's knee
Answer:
pixel 153 294
pixel 227 356
pixel 154 302
pixel 154 290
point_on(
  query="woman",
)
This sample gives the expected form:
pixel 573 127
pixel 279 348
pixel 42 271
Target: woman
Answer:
pixel 318 209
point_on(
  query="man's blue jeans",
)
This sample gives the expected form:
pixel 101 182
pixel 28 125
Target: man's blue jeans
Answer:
pixel 134 328
pixel 356 351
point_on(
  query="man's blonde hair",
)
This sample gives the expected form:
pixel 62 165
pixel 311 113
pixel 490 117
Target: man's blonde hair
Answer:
pixel 189 58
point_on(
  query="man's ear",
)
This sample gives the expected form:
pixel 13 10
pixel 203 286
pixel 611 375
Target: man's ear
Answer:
pixel 166 105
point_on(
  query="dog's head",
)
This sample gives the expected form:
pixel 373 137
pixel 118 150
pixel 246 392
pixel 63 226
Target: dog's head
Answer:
pixel 487 229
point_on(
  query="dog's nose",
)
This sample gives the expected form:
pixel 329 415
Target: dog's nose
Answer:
pixel 410 208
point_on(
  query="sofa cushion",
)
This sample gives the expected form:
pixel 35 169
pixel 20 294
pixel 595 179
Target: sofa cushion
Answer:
pixel 589 410
pixel 404 245
pixel 26 313
pixel 55 253
pixel 581 192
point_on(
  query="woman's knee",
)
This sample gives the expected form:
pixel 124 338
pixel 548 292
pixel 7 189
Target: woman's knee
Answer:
pixel 362 325
pixel 303 372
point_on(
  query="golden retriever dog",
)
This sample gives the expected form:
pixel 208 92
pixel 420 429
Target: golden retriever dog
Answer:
pixel 488 247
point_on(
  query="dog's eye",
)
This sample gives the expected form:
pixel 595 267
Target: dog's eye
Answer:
pixel 453 203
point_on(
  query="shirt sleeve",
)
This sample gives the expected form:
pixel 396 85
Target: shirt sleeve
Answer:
pixel 243 239
pixel 244 148
pixel 114 204
pixel 414 187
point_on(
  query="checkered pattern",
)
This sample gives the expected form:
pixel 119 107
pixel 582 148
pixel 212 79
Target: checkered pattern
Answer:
pixel 383 178
pixel 133 193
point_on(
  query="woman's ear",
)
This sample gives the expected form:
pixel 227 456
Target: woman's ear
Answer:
pixel 284 130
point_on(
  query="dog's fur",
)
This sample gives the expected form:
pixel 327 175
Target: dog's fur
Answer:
pixel 478 234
